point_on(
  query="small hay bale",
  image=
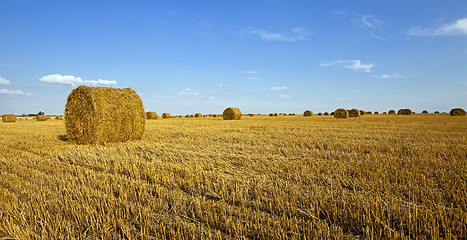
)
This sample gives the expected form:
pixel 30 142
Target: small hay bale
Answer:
pixel 58 118
pixel 251 115
pixel 151 115
pixel 341 113
pixel 326 114
pixel 362 112
pixel 376 113
pixel 424 111
pixel 101 114
pixel 385 113
pixel 275 115
pixel 457 112
pixel 271 114
pixel 404 111
pixel 42 118
pixel 392 111
pixel 369 112
pixel 232 114
pixel 319 114
pixel 436 111
pixel 8 118
pixel 198 115
pixel 192 116
pixel 332 113
pixel 354 113
pixel 187 116
pixel 165 115
pixel 308 113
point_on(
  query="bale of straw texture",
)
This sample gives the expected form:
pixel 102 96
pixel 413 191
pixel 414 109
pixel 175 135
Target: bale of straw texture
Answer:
pixel 8 118
pixel 308 113
pixel 354 113
pixel 100 114
pixel 326 114
pixel 457 112
pixel 43 117
pixel 404 111
pixel 341 113
pixel 424 111
pixel 151 115
pixel 392 111
pixel 232 114
pixel 165 115
pixel 198 115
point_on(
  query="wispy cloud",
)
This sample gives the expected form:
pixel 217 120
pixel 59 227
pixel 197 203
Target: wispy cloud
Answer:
pixel 458 27
pixel 188 92
pixel 354 65
pixel 387 76
pixel 74 81
pixel 367 22
pixel 283 96
pixel 221 84
pixel 341 99
pixel 295 34
pixel 251 72
pixel 14 92
pixel 4 81
pixel 253 78
pixel 277 88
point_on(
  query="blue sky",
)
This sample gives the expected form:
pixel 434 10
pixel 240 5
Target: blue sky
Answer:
pixel 261 56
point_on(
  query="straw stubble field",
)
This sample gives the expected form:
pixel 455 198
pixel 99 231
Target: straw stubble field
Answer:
pixel 262 178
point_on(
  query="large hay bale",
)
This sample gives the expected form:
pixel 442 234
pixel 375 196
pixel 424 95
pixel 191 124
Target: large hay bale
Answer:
pixel 198 115
pixel 341 113
pixel 354 113
pixel 8 118
pixel 392 111
pixel 232 114
pixel 42 118
pixel 457 112
pixel 165 115
pixel 151 115
pixel 100 114
pixel 308 113
pixel 404 111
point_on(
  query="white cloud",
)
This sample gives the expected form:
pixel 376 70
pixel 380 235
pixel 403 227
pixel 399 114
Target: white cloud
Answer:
pixel 296 34
pixel 74 81
pixel 4 81
pixel 456 28
pixel 367 22
pixel 283 96
pixel 253 78
pixel 14 92
pixel 277 88
pixel 387 76
pixel 251 72
pixel 188 92
pixel 221 85
pixel 354 65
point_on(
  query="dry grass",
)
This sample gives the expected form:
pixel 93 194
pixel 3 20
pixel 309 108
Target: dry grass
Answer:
pixel 375 177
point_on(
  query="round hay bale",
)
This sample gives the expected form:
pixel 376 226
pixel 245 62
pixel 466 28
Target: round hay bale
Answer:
pixel 392 111
pixel 354 113
pixel 271 114
pixel 100 114
pixel 424 111
pixel 341 113
pixel 457 112
pixel 436 111
pixel 362 112
pixel 58 118
pixel 404 111
pixel 332 113
pixel 376 113
pixel 151 115
pixel 385 113
pixel 8 118
pixel 251 115
pixel 166 115
pixel 198 115
pixel 308 113
pixel 42 117
pixel 319 114
pixel 275 114
pixel 326 114
pixel 232 114
pixel 369 112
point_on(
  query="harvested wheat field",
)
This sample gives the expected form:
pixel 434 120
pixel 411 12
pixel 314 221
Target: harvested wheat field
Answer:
pixel 377 176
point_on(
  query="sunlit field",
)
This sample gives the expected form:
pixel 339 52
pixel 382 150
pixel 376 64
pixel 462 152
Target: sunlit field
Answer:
pixel 284 177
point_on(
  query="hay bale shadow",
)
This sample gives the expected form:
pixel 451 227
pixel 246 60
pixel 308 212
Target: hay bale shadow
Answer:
pixel 63 137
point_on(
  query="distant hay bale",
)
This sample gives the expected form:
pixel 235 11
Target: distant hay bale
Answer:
pixel 385 113
pixel 275 114
pixel 165 115
pixel 457 112
pixel 369 112
pixel 341 113
pixel 404 111
pixel 58 118
pixel 198 115
pixel 326 114
pixel 151 115
pixel 362 112
pixel 332 113
pixel 8 118
pixel 271 114
pixel 251 115
pixel 392 111
pixel 101 114
pixel 232 114
pixel 308 113
pixel 42 118
pixel 354 113
pixel 424 111
pixel 319 114
pixel 376 113
pixel 436 111
pixel 192 116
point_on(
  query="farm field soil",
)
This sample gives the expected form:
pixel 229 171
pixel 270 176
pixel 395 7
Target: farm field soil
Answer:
pixel 294 177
